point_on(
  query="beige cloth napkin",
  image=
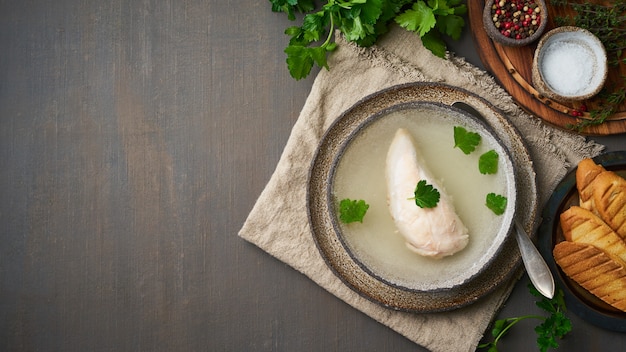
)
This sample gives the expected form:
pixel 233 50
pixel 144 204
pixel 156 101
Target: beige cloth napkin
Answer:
pixel 278 222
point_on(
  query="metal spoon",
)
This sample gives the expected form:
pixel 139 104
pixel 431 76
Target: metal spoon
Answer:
pixel 535 265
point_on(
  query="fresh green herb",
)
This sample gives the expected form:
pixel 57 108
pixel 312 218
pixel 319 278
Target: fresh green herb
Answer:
pixel 426 196
pixel 609 103
pixel 444 16
pixel 488 163
pixel 352 210
pixel 497 203
pixel 553 327
pixel 290 7
pixel 606 21
pixel 362 22
pixel 465 140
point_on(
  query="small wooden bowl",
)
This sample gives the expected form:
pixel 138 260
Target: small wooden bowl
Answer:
pixel 569 64
pixel 496 36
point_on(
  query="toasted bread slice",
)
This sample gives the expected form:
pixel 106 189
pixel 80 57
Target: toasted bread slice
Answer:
pixel 593 269
pixel 602 192
pixel 582 226
pixel 609 200
pixel 586 173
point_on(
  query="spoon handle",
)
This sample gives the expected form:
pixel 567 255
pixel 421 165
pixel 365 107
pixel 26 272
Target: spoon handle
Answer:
pixel 536 267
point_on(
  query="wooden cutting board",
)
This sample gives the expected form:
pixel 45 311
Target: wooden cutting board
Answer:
pixel 512 67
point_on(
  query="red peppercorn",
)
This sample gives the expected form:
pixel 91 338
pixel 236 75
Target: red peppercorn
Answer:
pixel 576 113
pixel 514 18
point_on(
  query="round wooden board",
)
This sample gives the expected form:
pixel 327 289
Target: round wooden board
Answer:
pixel 512 67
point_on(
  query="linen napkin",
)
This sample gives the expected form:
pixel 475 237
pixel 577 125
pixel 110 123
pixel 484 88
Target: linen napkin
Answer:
pixel 278 222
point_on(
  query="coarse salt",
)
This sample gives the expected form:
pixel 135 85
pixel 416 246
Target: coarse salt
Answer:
pixel 568 68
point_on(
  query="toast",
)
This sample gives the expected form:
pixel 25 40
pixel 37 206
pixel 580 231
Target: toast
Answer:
pixel 582 226
pixel 609 200
pixel 586 173
pixel 594 270
pixel 603 193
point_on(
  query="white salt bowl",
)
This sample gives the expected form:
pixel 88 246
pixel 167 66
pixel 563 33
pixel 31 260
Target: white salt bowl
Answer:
pixel 569 64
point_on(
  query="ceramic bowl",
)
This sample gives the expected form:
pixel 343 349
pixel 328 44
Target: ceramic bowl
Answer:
pixel 569 64
pixel 371 257
pixel 496 34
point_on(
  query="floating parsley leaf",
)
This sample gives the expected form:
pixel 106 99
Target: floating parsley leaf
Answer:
pixel 496 203
pixel 426 196
pixel 465 140
pixel 488 163
pixel 352 210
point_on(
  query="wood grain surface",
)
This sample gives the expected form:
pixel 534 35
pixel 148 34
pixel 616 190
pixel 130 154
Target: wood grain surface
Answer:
pixel 512 67
pixel 135 137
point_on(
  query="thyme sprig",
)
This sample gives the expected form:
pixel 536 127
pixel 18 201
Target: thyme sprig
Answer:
pixel 609 103
pixel 608 23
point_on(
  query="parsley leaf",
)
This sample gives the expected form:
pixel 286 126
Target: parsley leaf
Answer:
pixel 432 18
pixel 420 18
pixel 426 196
pixel 497 203
pixel 300 59
pixel 352 210
pixel 290 7
pixel 432 40
pixel 488 163
pixel 465 140
pixel 451 25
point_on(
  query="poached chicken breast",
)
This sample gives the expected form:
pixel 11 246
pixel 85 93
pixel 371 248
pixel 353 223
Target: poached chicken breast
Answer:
pixel 432 232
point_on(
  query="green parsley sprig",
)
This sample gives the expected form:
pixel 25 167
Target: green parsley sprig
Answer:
pixel 352 210
pixel 552 328
pixel 426 196
pixel 496 203
pixel 465 140
pixel 488 163
pixel 362 22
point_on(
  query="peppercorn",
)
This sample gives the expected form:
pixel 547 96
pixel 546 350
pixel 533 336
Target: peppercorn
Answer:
pixel 517 19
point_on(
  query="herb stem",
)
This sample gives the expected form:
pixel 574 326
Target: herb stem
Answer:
pixel 512 321
pixel 330 32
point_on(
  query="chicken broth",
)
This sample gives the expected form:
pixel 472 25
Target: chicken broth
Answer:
pixel 360 174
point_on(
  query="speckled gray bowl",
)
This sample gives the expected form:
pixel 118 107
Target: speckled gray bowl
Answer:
pixel 588 65
pixel 348 266
pixel 499 38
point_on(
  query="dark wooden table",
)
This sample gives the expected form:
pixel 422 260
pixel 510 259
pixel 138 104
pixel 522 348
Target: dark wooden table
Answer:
pixel 135 138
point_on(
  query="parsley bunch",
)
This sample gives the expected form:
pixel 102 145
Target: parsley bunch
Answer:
pixel 551 328
pixel 362 22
